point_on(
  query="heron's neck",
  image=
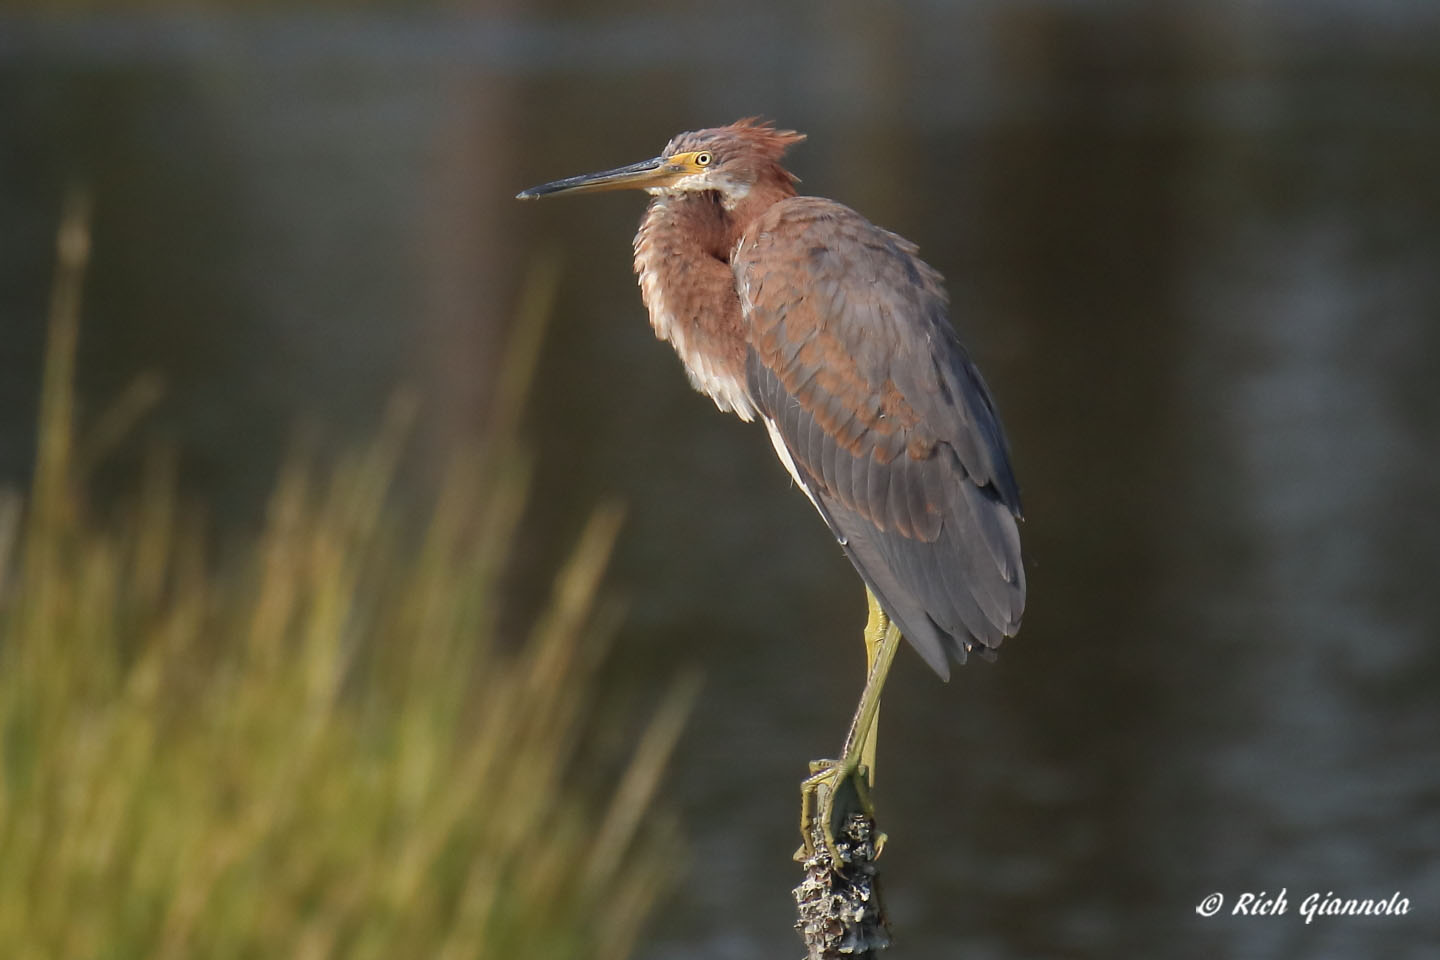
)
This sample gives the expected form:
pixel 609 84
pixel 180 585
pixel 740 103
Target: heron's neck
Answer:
pixel 693 223
pixel 705 222
pixel 768 190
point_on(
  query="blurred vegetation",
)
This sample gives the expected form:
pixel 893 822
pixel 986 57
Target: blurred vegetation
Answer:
pixel 318 747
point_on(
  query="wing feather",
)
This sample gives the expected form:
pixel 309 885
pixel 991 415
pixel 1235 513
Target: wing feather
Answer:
pixel 888 425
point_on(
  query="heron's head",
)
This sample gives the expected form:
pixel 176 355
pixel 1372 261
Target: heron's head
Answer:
pixel 728 160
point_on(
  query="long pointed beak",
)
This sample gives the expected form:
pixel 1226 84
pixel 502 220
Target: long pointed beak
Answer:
pixel 655 172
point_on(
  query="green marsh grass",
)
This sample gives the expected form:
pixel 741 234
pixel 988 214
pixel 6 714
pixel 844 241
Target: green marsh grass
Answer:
pixel 319 746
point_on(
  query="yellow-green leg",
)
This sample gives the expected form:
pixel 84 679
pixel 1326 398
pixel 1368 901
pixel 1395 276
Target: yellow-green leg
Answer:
pixel 876 627
pixel 818 792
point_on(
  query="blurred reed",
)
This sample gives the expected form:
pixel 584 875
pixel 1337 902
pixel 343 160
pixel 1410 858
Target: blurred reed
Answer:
pixel 319 747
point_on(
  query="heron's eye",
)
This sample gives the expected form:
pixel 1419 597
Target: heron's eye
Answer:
pixel 702 159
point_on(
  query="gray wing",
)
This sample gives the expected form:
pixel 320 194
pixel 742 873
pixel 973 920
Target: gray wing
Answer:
pixel 884 421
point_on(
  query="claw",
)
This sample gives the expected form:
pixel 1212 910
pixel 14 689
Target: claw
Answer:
pixel 824 797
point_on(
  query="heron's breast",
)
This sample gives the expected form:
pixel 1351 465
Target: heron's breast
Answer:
pixel 691 299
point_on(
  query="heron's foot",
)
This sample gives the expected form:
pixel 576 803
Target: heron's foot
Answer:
pixel 835 791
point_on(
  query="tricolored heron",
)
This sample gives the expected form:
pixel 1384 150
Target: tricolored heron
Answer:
pixel 830 330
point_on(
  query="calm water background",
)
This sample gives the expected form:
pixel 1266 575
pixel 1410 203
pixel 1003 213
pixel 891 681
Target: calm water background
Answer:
pixel 1195 249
